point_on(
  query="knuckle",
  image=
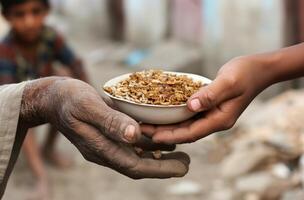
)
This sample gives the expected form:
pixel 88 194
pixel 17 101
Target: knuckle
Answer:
pixel 132 170
pixel 112 124
pixel 228 123
pixel 207 98
pixel 231 81
pixel 106 122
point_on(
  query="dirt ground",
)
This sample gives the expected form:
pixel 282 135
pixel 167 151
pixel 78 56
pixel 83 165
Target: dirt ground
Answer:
pixel 89 181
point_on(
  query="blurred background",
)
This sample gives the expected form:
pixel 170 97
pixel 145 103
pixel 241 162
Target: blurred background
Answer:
pixel 260 158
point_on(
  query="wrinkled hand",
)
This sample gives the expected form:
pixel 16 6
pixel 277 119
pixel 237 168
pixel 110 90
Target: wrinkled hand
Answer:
pixel 219 104
pixel 102 135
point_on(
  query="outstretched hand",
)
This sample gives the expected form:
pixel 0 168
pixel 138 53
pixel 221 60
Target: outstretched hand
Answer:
pixel 218 105
pixel 102 135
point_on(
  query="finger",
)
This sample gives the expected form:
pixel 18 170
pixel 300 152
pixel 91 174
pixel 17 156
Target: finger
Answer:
pixel 147 144
pixel 147 129
pixel 150 130
pixel 218 119
pixel 170 165
pixel 209 96
pixel 122 157
pixel 114 124
pixel 198 129
pixel 183 157
pixel 121 127
pixel 108 101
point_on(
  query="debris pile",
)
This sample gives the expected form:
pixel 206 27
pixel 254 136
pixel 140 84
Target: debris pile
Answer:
pixel 265 153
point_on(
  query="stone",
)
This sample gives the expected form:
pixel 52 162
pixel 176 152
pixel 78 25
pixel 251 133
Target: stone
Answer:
pixel 280 170
pixel 241 162
pixel 185 187
pixel 223 193
pixel 251 196
pixel 296 194
pixel 265 185
pixel 256 182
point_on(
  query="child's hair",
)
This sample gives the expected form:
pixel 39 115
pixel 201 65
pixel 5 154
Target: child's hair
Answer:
pixel 7 4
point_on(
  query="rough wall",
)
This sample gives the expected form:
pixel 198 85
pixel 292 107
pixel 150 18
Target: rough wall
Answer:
pixel 82 16
pixel 186 21
pixel 146 21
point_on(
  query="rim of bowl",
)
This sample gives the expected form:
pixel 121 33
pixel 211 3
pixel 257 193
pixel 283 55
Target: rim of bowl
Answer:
pixel 205 80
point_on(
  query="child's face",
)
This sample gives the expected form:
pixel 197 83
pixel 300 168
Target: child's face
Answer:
pixel 27 19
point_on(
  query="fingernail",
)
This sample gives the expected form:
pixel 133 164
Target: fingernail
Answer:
pixel 130 133
pixel 195 104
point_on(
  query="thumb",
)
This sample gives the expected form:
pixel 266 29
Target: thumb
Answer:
pixel 114 125
pixel 209 96
pixel 120 127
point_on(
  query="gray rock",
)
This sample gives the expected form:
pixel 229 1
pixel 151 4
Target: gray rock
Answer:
pixel 242 162
pixel 256 182
pixel 224 193
pixel 184 187
pixel 297 194
pixel 280 170
pixel 263 184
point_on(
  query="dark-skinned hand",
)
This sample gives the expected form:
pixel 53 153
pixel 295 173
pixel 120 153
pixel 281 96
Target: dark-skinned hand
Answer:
pixel 102 135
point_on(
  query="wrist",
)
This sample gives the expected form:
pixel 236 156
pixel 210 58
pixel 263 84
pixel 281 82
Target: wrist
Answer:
pixel 38 101
pixel 264 68
pixel 284 64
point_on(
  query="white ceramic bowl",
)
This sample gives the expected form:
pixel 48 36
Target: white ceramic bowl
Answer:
pixel 153 114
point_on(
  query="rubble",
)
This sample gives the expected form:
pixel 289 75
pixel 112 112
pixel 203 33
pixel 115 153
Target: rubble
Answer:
pixel 185 187
pixel 240 162
pixel 280 170
pixel 265 152
pixel 223 193
pixel 256 182
pixel 297 194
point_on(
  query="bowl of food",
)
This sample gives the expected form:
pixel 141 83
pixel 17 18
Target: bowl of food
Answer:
pixel 154 96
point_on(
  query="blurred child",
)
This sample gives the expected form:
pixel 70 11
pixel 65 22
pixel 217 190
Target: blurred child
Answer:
pixel 27 52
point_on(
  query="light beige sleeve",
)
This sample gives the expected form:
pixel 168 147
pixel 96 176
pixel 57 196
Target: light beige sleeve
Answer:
pixel 10 102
